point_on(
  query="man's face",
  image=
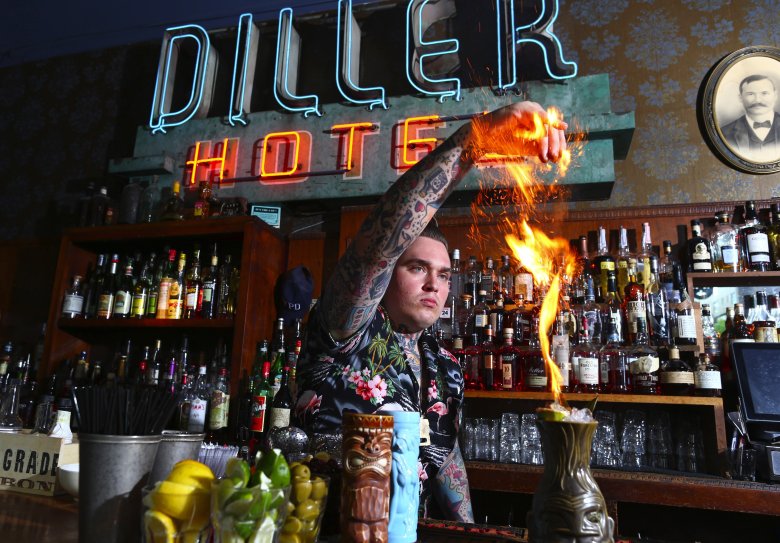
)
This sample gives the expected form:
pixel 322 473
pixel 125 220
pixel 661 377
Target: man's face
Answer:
pixel 419 286
pixel 758 97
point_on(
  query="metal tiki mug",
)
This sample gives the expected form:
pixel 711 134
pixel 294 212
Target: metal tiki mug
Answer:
pixel 405 498
pixel 365 485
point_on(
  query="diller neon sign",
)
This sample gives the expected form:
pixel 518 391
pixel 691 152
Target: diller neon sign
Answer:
pixel 420 15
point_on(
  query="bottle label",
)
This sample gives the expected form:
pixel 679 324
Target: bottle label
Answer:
pixel 758 247
pixel 105 305
pixel 487 361
pixel 480 320
pixel 604 368
pixel 122 303
pixel 258 414
pixel 589 370
pixel 174 301
pixel 635 309
pixel 192 300
pixel 561 357
pixel 162 299
pixel 730 254
pixel 151 306
pixel 208 292
pixel 506 372
pixel 709 379
pixel 701 257
pixel 139 305
pixel 765 334
pixel 686 326
pixel 197 420
pixel 524 285
pixel 280 417
pixel 220 402
pixel 536 380
pixel 644 364
pixel 676 377
pixel 73 303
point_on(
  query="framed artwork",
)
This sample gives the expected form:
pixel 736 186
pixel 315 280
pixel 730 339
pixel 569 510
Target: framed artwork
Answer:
pixel 741 109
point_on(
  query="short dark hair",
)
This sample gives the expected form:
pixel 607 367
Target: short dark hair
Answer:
pixel 753 78
pixel 432 231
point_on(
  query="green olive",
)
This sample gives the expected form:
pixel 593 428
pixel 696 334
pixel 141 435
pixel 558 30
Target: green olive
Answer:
pixel 318 489
pixel 292 525
pixel 301 490
pixel 290 508
pixel 307 510
pixel 309 525
pixel 301 471
pixel 289 538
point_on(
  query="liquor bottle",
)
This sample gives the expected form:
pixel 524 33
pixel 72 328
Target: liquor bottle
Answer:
pixel 164 288
pixel 169 382
pixel 185 402
pixel 676 376
pixel 612 357
pixel 106 298
pixel 472 278
pixel 154 365
pixel 479 317
pixel 591 311
pixel 149 201
pixel 533 361
pixel 292 363
pixel 138 377
pixel 219 407
pixel 473 354
pixel 585 357
pixel 523 286
pixel 624 260
pixel 277 368
pixel 643 362
pixel 155 274
pixel 210 286
pixel 194 288
pixel 743 330
pixel 176 291
pixel 755 241
pixel 202 209
pixel 456 276
pixel 666 270
pixel 774 308
pixel 684 328
pixel 506 280
pixel 462 312
pixel 583 271
pixel 277 344
pixel 709 334
pixel 224 295
pixel 699 250
pixel 129 202
pixel 488 365
pixel 282 403
pixel 764 328
pixel 510 361
pixel 706 377
pixel 123 297
pixel 773 233
pixel 488 280
pixel 94 285
pixel 98 207
pixel 496 316
pixel 643 256
pixel 243 418
pixel 81 369
pixel 634 302
pixel 726 247
pixel 657 306
pixel 122 363
pixel 260 404
pixel 140 291
pixel 199 402
pixel 602 264
pixel 611 309
pixel 73 301
pixel 560 349
pixel 174 206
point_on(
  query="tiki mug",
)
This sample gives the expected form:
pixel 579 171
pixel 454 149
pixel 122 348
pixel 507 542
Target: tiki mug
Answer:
pixel 365 485
pixel 568 505
pixel 405 498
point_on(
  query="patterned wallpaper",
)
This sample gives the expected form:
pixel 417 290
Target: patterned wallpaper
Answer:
pixel 62 119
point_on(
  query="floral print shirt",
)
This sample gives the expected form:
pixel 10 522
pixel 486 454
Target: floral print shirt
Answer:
pixel 368 373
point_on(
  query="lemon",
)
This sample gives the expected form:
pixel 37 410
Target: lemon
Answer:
pixel 190 536
pixel 237 470
pixel 180 501
pixel 158 527
pixel 190 472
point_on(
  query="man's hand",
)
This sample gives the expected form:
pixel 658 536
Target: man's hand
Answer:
pixel 522 128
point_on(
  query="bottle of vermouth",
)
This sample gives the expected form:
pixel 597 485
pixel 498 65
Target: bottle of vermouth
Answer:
pixel 643 362
pixel 755 241
pixel 699 250
pixel 282 402
pixel 489 365
pixel 676 376
pixel 706 377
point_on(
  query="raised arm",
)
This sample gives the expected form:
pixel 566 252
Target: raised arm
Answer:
pixel 363 272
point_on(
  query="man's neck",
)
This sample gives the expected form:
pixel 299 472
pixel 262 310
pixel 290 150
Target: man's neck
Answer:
pixel 760 118
pixel 408 342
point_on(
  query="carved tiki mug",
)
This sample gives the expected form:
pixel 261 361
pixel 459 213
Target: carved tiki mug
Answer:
pixel 568 505
pixel 405 499
pixel 365 485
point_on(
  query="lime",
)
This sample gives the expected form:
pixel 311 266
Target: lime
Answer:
pixel 244 528
pixel 239 503
pixel 259 506
pixel 225 489
pixel 159 528
pixel 264 533
pixel 237 470
pixel 260 479
pixel 275 466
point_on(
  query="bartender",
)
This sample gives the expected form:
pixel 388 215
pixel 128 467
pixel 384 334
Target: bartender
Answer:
pixel 367 348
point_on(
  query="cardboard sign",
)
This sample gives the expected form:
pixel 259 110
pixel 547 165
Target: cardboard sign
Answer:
pixel 28 462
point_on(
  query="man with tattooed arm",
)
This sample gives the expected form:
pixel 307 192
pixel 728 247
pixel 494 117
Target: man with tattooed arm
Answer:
pixel 367 349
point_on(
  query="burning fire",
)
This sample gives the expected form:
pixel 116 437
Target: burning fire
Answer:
pixel 550 260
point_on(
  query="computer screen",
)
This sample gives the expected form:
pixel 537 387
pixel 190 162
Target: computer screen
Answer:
pixel 758 375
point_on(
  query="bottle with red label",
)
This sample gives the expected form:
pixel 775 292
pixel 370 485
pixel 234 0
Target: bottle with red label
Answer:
pixel 260 404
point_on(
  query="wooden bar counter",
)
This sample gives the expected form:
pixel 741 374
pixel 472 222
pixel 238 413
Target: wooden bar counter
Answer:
pixel 27 518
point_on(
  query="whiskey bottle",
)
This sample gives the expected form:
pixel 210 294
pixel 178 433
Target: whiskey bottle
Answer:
pixel 699 250
pixel 164 288
pixel 624 260
pixel 174 206
pixel 105 304
pixel 764 328
pixel 643 361
pixel 755 241
pixel 193 288
pixel 676 376
pixel 533 361
pixel 634 302
pixel 210 286
pixel 488 365
pixel 684 329
pixel 509 357
pixel 203 204
pixel 176 290
pixel 611 308
pixel 73 301
pixel 706 377
pixel 726 248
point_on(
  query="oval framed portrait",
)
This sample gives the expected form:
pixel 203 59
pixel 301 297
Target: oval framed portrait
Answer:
pixel 741 109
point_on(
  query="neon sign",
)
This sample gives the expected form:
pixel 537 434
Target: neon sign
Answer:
pixel 419 54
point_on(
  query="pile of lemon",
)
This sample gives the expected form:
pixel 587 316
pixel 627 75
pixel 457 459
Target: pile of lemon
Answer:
pixel 179 508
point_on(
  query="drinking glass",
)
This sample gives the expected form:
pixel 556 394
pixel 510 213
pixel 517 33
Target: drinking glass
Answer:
pixel 632 440
pixel 481 439
pixel 659 441
pixel 530 440
pixel 605 452
pixel 494 438
pixel 688 447
pixel 509 450
pixel 468 440
pixel 747 468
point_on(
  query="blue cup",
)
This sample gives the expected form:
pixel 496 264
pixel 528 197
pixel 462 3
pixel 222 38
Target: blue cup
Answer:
pixel 405 483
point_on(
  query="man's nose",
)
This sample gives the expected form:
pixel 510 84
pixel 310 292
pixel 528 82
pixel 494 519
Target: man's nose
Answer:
pixel 431 283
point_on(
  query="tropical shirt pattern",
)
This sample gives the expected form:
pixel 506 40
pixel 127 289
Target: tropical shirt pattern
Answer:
pixel 368 373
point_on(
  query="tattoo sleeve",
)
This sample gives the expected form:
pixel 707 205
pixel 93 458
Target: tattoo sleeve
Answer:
pixel 363 272
pixel 451 488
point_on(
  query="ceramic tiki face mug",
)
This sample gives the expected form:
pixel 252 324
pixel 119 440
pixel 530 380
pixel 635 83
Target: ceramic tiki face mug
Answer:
pixel 405 499
pixel 365 486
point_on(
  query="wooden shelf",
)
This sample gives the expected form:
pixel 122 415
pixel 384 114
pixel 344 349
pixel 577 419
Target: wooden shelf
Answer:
pixel 116 324
pixel 603 398
pixel 733 279
pixel 639 487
